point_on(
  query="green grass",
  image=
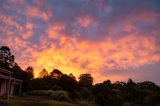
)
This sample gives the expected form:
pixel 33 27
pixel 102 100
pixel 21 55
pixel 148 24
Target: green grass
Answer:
pixel 40 101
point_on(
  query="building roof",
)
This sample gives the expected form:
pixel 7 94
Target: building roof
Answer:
pixel 5 71
pixel 3 75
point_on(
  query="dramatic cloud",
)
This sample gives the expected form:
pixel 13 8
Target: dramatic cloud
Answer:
pixel 111 39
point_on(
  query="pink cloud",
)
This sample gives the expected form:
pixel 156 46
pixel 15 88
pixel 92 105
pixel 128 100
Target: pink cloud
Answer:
pixel 27 34
pixel 9 21
pixel 37 12
pixel 85 21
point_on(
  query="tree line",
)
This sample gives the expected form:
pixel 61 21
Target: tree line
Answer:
pixel 104 94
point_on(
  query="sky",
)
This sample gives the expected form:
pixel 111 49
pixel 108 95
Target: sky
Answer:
pixel 110 39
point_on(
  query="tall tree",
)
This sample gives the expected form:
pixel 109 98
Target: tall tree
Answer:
pixel 6 58
pixel 30 72
pixel 56 74
pixel 23 75
pixel 43 73
pixel 68 83
pixel 86 80
pixel 130 83
pixel 72 76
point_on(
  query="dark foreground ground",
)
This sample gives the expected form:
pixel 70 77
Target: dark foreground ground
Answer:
pixel 38 101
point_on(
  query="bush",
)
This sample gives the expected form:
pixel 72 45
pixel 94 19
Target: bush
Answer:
pixel 38 93
pixel 56 87
pixel 100 99
pixel 127 104
pixel 60 95
pixel 76 95
pixel 56 95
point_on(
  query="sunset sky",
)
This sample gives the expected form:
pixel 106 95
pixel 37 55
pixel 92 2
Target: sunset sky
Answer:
pixel 110 39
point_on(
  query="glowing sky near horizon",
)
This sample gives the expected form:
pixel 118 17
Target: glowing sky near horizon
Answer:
pixel 110 39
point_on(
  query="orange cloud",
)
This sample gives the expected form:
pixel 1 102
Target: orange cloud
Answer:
pixel 30 25
pixel 72 55
pixel 54 31
pixel 77 57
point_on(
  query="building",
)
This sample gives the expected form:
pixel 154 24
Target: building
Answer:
pixel 9 85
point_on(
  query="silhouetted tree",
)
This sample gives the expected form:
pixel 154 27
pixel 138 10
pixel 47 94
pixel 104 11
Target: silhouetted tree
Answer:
pixel 130 83
pixel 30 72
pixel 46 83
pixel 86 80
pixel 68 83
pixel 107 83
pixel 130 86
pixel 20 74
pixel 72 76
pixel 43 73
pixel 6 58
pixel 148 85
pixel 56 74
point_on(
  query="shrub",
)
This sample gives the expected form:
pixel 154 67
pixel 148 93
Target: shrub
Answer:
pixel 38 93
pixel 127 104
pixel 100 99
pixel 60 95
pixel 76 95
pixel 56 87
pixel 56 95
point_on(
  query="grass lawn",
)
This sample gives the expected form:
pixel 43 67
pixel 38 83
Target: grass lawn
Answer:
pixel 39 101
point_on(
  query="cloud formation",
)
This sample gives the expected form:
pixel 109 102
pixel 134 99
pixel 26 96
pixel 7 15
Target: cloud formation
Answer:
pixel 97 37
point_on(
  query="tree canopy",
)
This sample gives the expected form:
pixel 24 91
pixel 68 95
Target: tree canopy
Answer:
pixel 86 80
pixel 6 58
pixel 43 73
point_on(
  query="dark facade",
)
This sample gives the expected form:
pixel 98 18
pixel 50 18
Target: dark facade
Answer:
pixel 9 85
